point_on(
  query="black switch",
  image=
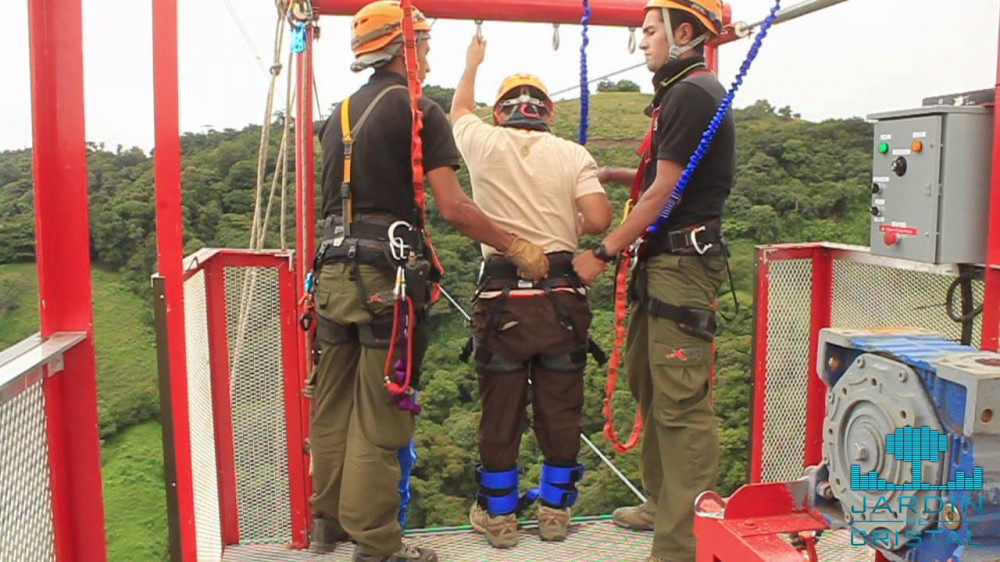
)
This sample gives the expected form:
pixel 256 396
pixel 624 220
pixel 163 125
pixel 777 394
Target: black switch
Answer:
pixel 898 166
pixel 876 189
pixel 876 211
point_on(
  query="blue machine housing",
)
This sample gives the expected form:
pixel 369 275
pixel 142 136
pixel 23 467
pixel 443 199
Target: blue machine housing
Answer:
pixel 963 385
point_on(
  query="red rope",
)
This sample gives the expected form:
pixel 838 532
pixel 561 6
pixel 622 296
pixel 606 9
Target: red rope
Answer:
pixel 621 311
pixel 390 382
pixel 417 147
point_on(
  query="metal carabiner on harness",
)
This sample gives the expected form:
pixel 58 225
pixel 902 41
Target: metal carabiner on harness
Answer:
pixel 694 241
pixel 397 245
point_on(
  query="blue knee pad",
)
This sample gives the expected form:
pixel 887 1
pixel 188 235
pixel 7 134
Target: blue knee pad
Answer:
pixel 497 490
pixel 558 485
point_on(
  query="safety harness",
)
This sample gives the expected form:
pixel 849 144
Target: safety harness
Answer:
pixel 499 275
pixel 394 246
pixel 631 256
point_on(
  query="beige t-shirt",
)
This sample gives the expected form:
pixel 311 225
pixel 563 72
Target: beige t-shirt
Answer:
pixel 527 181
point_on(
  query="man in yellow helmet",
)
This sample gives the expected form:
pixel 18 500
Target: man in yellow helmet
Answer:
pixel 375 255
pixel 546 190
pixel 679 272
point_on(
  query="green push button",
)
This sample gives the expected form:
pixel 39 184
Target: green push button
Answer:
pixel 883 148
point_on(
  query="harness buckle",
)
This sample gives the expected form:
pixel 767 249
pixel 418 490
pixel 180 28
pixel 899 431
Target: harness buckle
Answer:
pixel 693 236
pixel 352 249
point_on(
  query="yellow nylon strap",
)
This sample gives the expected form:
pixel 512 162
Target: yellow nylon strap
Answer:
pixel 345 127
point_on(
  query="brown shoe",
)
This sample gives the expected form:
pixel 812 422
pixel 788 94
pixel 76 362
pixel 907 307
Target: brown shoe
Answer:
pixel 325 535
pixel 636 518
pixel 500 530
pixel 553 523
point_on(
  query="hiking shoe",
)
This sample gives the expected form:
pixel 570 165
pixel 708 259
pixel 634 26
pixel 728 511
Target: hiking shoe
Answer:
pixel 325 535
pixel 500 530
pixel 406 553
pixel 553 523
pixel 636 518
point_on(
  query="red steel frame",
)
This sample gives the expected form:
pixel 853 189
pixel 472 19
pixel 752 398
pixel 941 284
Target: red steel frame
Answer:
pixel 991 300
pixel 64 288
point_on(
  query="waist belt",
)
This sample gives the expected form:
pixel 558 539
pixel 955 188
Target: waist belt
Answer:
pixel 698 239
pixel 371 227
pixel 500 273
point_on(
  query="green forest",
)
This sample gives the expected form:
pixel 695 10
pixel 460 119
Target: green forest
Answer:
pixel 796 181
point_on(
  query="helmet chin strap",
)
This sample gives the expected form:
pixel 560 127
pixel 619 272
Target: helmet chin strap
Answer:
pixel 675 50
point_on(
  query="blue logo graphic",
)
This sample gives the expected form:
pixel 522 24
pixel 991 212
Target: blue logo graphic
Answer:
pixel 915 446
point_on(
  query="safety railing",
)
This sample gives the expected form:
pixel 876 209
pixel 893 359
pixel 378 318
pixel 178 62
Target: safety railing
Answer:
pixel 802 288
pixel 29 442
pixel 247 480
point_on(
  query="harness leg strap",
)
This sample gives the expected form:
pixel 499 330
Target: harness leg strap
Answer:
pixel 558 486
pixel 697 322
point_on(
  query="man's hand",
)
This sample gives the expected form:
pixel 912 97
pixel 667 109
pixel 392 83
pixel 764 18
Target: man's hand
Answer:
pixel 530 260
pixel 588 267
pixel 476 53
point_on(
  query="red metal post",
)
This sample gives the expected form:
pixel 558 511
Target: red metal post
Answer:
pixel 603 12
pixel 309 155
pixel 822 310
pixel 169 252
pixel 298 474
pixel 218 345
pixel 758 401
pixel 991 300
pixel 64 289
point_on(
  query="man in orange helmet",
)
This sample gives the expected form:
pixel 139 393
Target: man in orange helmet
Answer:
pixel 375 254
pixel 546 190
pixel 679 272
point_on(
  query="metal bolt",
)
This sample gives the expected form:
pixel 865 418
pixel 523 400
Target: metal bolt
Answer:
pixel 903 376
pixel 952 517
pixel 860 453
pixel 825 490
pixel 849 517
pixel 861 362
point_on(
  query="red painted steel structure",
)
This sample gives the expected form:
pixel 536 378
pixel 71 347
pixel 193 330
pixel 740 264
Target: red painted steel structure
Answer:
pixel 822 309
pixel 295 409
pixel 222 415
pixel 991 301
pixel 626 13
pixel 64 289
pixel 169 252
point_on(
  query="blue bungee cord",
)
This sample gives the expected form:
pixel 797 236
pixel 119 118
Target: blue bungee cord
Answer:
pixel 713 127
pixel 584 86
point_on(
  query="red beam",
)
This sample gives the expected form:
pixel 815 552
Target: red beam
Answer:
pixel 64 289
pixel 991 301
pixel 169 253
pixel 625 13
pixel 821 315
pixel 758 402
pixel 218 345
pixel 298 472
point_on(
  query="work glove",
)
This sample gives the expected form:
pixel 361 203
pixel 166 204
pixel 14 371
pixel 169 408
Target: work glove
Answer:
pixel 530 260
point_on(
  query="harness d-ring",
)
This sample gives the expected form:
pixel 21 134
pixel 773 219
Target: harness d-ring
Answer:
pixel 694 241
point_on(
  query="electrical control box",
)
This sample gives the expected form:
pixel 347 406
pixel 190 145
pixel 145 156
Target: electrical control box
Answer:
pixel 931 184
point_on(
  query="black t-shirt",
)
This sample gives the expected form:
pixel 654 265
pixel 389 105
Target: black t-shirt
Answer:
pixel 381 172
pixel 686 109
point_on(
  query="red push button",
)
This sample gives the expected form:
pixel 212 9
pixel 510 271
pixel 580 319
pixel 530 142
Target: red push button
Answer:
pixel 890 238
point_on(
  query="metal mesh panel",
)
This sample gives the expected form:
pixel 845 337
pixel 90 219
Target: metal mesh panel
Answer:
pixel 199 382
pixel 253 315
pixel 25 496
pixel 868 295
pixel 788 315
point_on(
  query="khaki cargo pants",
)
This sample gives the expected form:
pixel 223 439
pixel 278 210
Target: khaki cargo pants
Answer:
pixel 668 373
pixel 355 428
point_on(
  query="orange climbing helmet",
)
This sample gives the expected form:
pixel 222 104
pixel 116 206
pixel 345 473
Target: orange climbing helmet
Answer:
pixel 708 12
pixel 377 31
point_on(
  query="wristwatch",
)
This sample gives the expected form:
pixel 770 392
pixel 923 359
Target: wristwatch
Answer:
pixel 602 253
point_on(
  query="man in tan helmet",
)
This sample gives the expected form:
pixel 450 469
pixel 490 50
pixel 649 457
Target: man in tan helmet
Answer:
pixel 545 189
pixel 376 254
pixel 679 272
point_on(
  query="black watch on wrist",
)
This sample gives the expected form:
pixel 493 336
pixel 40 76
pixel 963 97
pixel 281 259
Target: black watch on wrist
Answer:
pixel 602 253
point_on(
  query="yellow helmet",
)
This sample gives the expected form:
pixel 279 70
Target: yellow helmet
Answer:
pixel 708 12
pixel 378 24
pixel 515 81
